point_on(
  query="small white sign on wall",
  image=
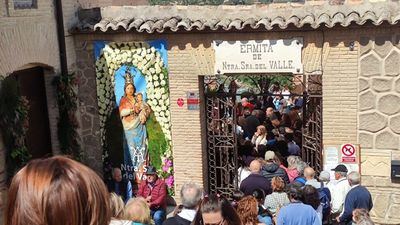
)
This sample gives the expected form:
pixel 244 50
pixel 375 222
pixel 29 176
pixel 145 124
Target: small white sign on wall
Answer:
pixel 258 56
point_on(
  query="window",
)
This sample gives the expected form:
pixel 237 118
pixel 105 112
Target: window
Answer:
pixel 25 4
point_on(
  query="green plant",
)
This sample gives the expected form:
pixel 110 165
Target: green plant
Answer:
pixel 67 121
pixel 14 125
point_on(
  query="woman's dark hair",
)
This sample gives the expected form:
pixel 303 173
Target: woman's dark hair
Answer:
pixel 259 194
pixel 237 195
pixel 311 196
pixel 213 203
pixel 286 121
pixel 294 192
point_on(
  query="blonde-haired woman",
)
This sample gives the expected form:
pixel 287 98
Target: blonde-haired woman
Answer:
pixel 117 210
pixel 260 136
pixel 138 211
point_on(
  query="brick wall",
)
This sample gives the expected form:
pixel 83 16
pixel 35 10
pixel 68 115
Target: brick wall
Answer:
pixel 339 88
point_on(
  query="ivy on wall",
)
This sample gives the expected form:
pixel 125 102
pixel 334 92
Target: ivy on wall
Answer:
pixel 14 125
pixel 67 122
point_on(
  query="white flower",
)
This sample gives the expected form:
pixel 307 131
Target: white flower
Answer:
pixel 163 83
pixel 167 113
pixel 161 76
pixel 156 83
pixel 155 102
pixel 162 114
pixel 157 108
pixel 157 94
pixel 155 77
pixel 148 56
pixel 165 96
pixel 152 49
pixel 158 69
pixel 143 53
pixel 163 108
pixel 152 70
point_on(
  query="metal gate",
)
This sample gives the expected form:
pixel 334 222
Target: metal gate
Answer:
pixel 222 148
pixel 221 143
pixel 312 125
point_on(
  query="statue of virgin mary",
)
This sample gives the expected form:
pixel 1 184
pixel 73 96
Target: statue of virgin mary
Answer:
pixel 134 113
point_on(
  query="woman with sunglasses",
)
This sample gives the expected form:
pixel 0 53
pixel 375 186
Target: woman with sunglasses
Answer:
pixel 214 210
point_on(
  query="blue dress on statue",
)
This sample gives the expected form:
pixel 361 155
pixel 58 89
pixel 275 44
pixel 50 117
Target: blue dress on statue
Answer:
pixel 135 136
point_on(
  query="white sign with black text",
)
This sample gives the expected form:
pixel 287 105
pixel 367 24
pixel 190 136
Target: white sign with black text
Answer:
pixel 258 56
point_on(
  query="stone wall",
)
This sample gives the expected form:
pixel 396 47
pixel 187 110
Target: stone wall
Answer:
pixel 88 115
pixel 379 119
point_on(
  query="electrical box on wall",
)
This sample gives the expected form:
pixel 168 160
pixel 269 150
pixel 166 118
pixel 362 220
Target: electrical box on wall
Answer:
pixel 395 169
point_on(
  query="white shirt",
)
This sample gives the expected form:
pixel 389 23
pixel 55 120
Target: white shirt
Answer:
pixel 243 174
pixel 188 214
pixel 339 192
pixel 259 140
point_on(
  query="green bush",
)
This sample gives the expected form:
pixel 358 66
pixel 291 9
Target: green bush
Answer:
pixel 157 142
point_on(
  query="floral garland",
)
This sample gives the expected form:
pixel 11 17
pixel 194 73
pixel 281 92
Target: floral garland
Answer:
pixel 150 63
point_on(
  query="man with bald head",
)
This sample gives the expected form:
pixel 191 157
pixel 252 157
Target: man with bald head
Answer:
pixel 255 180
pixel 309 174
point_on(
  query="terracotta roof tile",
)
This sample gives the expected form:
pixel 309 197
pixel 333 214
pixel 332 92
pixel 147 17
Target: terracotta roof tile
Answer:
pixel 152 19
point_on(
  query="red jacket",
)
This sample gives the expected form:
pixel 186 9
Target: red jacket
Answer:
pixel 158 193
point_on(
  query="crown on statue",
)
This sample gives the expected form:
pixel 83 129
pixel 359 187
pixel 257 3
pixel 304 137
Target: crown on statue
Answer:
pixel 128 77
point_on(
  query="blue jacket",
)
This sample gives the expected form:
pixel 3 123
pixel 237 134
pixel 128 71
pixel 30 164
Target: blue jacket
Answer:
pixel 357 198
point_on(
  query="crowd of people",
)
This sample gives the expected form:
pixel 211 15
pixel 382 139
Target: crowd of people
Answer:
pixel 269 123
pixel 61 191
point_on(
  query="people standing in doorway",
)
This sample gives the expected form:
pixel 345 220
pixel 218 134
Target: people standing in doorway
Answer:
pixel 255 180
pixel 340 190
pixel 296 212
pixel 259 137
pixel 357 198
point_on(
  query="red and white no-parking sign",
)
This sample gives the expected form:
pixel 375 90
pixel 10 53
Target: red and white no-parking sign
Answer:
pixel 348 153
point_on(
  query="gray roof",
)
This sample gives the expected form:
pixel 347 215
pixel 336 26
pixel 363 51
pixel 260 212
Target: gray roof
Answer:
pixel 159 19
